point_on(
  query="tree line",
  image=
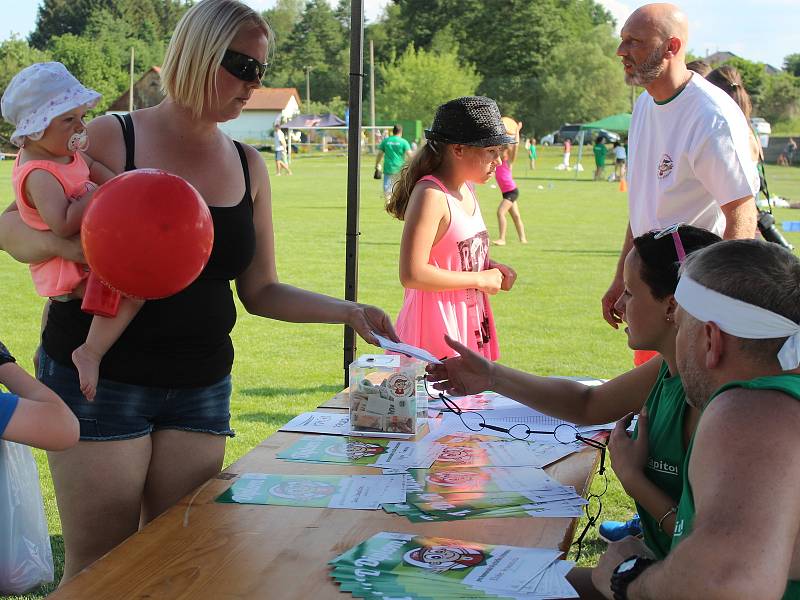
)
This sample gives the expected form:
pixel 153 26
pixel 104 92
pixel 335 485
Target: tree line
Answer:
pixel 545 62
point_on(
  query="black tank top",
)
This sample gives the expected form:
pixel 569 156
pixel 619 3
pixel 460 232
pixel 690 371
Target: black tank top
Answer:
pixel 181 341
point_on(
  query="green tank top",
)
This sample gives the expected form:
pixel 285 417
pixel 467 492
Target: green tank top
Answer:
pixel 788 384
pixel 666 406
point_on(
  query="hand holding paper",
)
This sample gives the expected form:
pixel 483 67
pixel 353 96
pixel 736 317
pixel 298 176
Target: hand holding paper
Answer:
pixel 406 349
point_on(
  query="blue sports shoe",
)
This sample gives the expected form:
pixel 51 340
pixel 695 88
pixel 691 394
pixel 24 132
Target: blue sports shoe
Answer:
pixel 614 531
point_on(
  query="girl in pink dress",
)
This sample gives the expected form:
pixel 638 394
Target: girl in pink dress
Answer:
pixel 444 253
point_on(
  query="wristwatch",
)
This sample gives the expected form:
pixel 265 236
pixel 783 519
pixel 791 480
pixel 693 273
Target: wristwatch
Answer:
pixel 626 571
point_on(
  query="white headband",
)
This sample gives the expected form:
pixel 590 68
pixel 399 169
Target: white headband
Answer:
pixel 740 319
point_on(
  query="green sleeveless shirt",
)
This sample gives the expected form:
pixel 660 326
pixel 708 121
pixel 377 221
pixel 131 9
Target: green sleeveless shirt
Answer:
pixel 666 406
pixel 788 384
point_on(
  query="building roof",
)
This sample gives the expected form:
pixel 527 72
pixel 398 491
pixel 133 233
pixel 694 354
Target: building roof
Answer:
pixel 146 91
pixel 721 57
pixel 271 98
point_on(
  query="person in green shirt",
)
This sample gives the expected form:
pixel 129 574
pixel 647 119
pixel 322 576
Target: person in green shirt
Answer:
pixel 393 150
pixel 600 152
pixel 531 146
pixel 737 530
pixel 650 466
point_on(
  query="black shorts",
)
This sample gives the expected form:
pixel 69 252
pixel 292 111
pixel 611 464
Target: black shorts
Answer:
pixel 620 161
pixel 511 195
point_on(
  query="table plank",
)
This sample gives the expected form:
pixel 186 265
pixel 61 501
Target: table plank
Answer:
pixel 202 549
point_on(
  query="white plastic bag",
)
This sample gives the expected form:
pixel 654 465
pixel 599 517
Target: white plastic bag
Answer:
pixel 26 559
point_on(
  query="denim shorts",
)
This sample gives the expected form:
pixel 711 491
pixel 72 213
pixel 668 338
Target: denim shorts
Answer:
pixel 122 411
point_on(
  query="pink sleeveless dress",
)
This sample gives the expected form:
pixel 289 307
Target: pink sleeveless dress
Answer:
pixel 57 276
pixel 464 315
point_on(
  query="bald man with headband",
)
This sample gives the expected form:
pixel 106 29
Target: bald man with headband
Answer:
pixel 689 155
pixel 737 530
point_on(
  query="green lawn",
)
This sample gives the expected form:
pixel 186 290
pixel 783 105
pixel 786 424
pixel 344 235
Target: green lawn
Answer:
pixel 550 324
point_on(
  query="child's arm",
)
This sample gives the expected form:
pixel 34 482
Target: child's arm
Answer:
pixel 47 196
pixel 41 418
pixel 98 172
pixel 424 218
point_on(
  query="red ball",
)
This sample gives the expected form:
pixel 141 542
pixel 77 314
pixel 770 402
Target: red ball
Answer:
pixel 147 233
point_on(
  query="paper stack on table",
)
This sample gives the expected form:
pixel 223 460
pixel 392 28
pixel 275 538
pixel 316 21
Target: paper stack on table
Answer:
pixel 331 423
pixel 455 493
pixel 357 451
pixel 407 566
pixel 365 492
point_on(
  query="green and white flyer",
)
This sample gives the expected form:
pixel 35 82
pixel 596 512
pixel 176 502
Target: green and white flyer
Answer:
pixel 366 492
pixel 408 566
pixel 372 452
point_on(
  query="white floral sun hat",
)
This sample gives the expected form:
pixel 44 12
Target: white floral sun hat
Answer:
pixel 38 94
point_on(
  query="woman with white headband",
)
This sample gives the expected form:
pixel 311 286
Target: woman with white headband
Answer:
pixel 649 467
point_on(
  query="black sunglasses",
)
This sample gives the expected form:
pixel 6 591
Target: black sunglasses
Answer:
pixel 242 66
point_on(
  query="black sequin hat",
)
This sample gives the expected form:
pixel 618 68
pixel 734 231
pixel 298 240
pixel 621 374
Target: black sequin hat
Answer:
pixel 470 120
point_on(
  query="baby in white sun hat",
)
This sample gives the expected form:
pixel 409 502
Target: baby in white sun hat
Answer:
pixel 53 184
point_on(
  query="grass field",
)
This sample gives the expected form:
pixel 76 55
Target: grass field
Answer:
pixel 550 324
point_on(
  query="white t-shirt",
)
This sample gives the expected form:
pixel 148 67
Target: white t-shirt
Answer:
pixel 619 153
pixel 687 158
pixel 280 141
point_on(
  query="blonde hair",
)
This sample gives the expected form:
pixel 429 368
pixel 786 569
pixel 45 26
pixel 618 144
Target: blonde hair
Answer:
pixel 425 161
pixel 188 75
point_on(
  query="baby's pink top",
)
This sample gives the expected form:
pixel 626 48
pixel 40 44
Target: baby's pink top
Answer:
pixel 505 181
pixel 464 315
pixel 57 276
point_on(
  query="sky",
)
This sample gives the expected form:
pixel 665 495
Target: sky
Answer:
pixel 758 30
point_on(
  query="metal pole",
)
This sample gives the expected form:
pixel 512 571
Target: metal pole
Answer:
pixel 353 171
pixel 130 92
pixel 308 89
pixel 372 93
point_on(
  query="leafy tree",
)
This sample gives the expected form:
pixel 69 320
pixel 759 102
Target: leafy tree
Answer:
pixel 781 98
pixel 754 76
pixel 282 18
pixel 419 81
pixel 58 17
pixel 509 42
pixel 792 64
pixel 87 61
pixel 583 83
pixel 318 41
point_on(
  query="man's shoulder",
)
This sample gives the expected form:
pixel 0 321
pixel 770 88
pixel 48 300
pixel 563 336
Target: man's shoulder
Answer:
pixel 756 403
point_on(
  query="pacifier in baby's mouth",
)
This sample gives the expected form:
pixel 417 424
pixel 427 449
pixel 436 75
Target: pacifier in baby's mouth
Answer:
pixel 78 141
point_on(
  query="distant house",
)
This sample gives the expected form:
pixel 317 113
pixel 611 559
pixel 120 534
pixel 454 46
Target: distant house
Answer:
pixel 146 93
pixel 257 121
pixel 255 124
pixel 720 58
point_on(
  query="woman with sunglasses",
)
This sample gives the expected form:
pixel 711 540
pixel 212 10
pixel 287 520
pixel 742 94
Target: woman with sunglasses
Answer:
pixel 158 426
pixel 650 464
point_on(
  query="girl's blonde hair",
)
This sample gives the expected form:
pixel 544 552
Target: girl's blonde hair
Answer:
pixel 195 51
pixel 425 161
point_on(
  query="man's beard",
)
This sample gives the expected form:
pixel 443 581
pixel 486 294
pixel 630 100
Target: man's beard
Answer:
pixel 648 71
pixel 694 379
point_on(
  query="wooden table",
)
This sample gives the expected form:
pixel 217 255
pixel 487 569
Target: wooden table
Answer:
pixel 204 549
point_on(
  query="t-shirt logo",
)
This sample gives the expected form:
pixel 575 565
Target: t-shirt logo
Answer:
pixel 665 167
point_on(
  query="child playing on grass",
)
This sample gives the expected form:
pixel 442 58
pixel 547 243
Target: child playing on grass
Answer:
pixel 509 191
pixel 531 145
pixel 53 185
pixel 444 253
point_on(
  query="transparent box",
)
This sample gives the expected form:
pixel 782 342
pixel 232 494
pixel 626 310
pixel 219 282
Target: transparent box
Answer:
pixel 385 394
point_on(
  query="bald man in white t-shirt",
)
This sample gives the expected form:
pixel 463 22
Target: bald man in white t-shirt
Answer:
pixel 688 146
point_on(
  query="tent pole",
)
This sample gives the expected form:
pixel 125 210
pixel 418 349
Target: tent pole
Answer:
pixel 353 172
